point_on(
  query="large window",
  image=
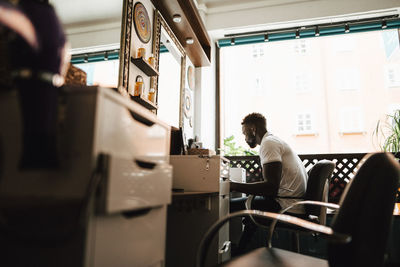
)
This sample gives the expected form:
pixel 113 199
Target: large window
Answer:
pixel 321 95
pixel 102 73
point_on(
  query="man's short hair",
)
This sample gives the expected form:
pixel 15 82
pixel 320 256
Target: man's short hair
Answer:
pixel 256 119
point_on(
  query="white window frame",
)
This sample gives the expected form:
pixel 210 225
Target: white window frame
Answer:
pixel 347 79
pixel 301 47
pixel 305 123
pixel 351 120
pixel 257 51
pixel 344 43
pixel 302 82
pixel 395 70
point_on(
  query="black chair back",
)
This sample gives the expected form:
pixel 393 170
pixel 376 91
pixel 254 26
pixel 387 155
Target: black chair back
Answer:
pixel 318 176
pixel 366 213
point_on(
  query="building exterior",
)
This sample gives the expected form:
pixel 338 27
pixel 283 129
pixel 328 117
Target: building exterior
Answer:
pixel 321 95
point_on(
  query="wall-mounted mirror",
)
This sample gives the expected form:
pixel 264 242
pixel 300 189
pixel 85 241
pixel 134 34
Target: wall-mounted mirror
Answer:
pixel 170 58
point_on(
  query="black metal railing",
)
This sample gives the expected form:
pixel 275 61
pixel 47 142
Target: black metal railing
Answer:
pixel 346 166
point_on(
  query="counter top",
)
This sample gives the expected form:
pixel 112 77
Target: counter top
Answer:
pixel 193 193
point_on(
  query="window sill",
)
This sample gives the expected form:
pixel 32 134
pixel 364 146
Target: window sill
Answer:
pixel 306 134
pixel 353 133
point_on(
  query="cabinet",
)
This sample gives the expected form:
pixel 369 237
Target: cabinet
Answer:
pixel 203 183
pixel 123 222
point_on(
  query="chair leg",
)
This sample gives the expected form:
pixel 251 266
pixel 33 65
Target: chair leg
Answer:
pixel 296 242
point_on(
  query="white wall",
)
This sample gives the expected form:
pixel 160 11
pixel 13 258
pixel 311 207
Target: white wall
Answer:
pixel 205 103
pixel 101 35
pixel 90 23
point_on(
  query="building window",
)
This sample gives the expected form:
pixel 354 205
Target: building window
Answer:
pixel 272 87
pixel 393 76
pixel 302 82
pixel 343 44
pixel 347 79
pixel 351 120
pixel 258 86
pixel 257 83
pixel 301 47
pixel 305 123
pixel 102 73
pixel 258 51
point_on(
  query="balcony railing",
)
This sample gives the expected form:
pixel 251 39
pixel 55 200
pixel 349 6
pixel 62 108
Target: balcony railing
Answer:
pixel 346 166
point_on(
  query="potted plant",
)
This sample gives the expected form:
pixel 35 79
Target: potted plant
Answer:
pixel 230 148
pixel 389 130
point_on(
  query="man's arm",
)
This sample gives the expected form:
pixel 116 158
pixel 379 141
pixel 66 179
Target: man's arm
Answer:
pixel 272 173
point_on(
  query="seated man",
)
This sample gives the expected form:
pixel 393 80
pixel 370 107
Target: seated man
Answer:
pixel 283 172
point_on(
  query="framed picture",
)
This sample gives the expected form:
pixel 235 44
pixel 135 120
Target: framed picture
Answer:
pixel 142 22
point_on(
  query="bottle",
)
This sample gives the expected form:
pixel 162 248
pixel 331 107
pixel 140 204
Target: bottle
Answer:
pixel 138 86
pixel 151 60
pixel 141 52
pixel 151 95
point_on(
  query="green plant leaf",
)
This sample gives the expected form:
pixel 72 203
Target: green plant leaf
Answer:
pixel 389 130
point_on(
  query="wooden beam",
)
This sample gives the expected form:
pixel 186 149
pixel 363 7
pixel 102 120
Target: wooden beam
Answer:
pixel 191 26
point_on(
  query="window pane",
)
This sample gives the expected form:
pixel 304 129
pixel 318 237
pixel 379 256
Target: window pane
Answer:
pixel 327 86
pixel 102 73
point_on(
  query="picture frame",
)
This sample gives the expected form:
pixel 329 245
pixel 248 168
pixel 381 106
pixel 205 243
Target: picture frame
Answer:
pixel 131 40
pixel 142 22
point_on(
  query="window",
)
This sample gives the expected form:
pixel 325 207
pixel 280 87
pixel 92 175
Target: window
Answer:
pixel 300 46
pixel 390 42
pixel 347 79
pixel 258 51
pixel 304 123
pixel 103 73
pixel 344 111
pixel 351 120
pixel 393 76
pixel 169 98
pixel 301 82
pixel 343 43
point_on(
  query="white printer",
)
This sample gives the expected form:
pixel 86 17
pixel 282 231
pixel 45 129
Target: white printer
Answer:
pixel 106 204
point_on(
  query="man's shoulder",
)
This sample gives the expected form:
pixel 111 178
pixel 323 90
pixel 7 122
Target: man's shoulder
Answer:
pixel 271 140
pixel 271 144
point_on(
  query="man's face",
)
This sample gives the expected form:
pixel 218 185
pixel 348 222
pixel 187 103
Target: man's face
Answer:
pixel 249 132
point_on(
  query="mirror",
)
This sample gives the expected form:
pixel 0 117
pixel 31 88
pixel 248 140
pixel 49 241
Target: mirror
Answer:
pixel 170 57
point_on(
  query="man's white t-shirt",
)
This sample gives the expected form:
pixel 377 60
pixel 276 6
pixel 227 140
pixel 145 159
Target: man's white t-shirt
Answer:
pixel 294 175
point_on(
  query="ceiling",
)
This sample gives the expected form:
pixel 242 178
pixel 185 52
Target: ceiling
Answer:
pixel 221 6
pixel 219 14
pixel 73 12
pixel 92 11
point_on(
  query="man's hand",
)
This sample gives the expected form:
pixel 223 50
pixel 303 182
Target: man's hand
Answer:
pixel 272 174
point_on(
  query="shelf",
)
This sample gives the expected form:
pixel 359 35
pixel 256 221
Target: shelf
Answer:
pixel 144 102
pixel 191 26
pixel 144 66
